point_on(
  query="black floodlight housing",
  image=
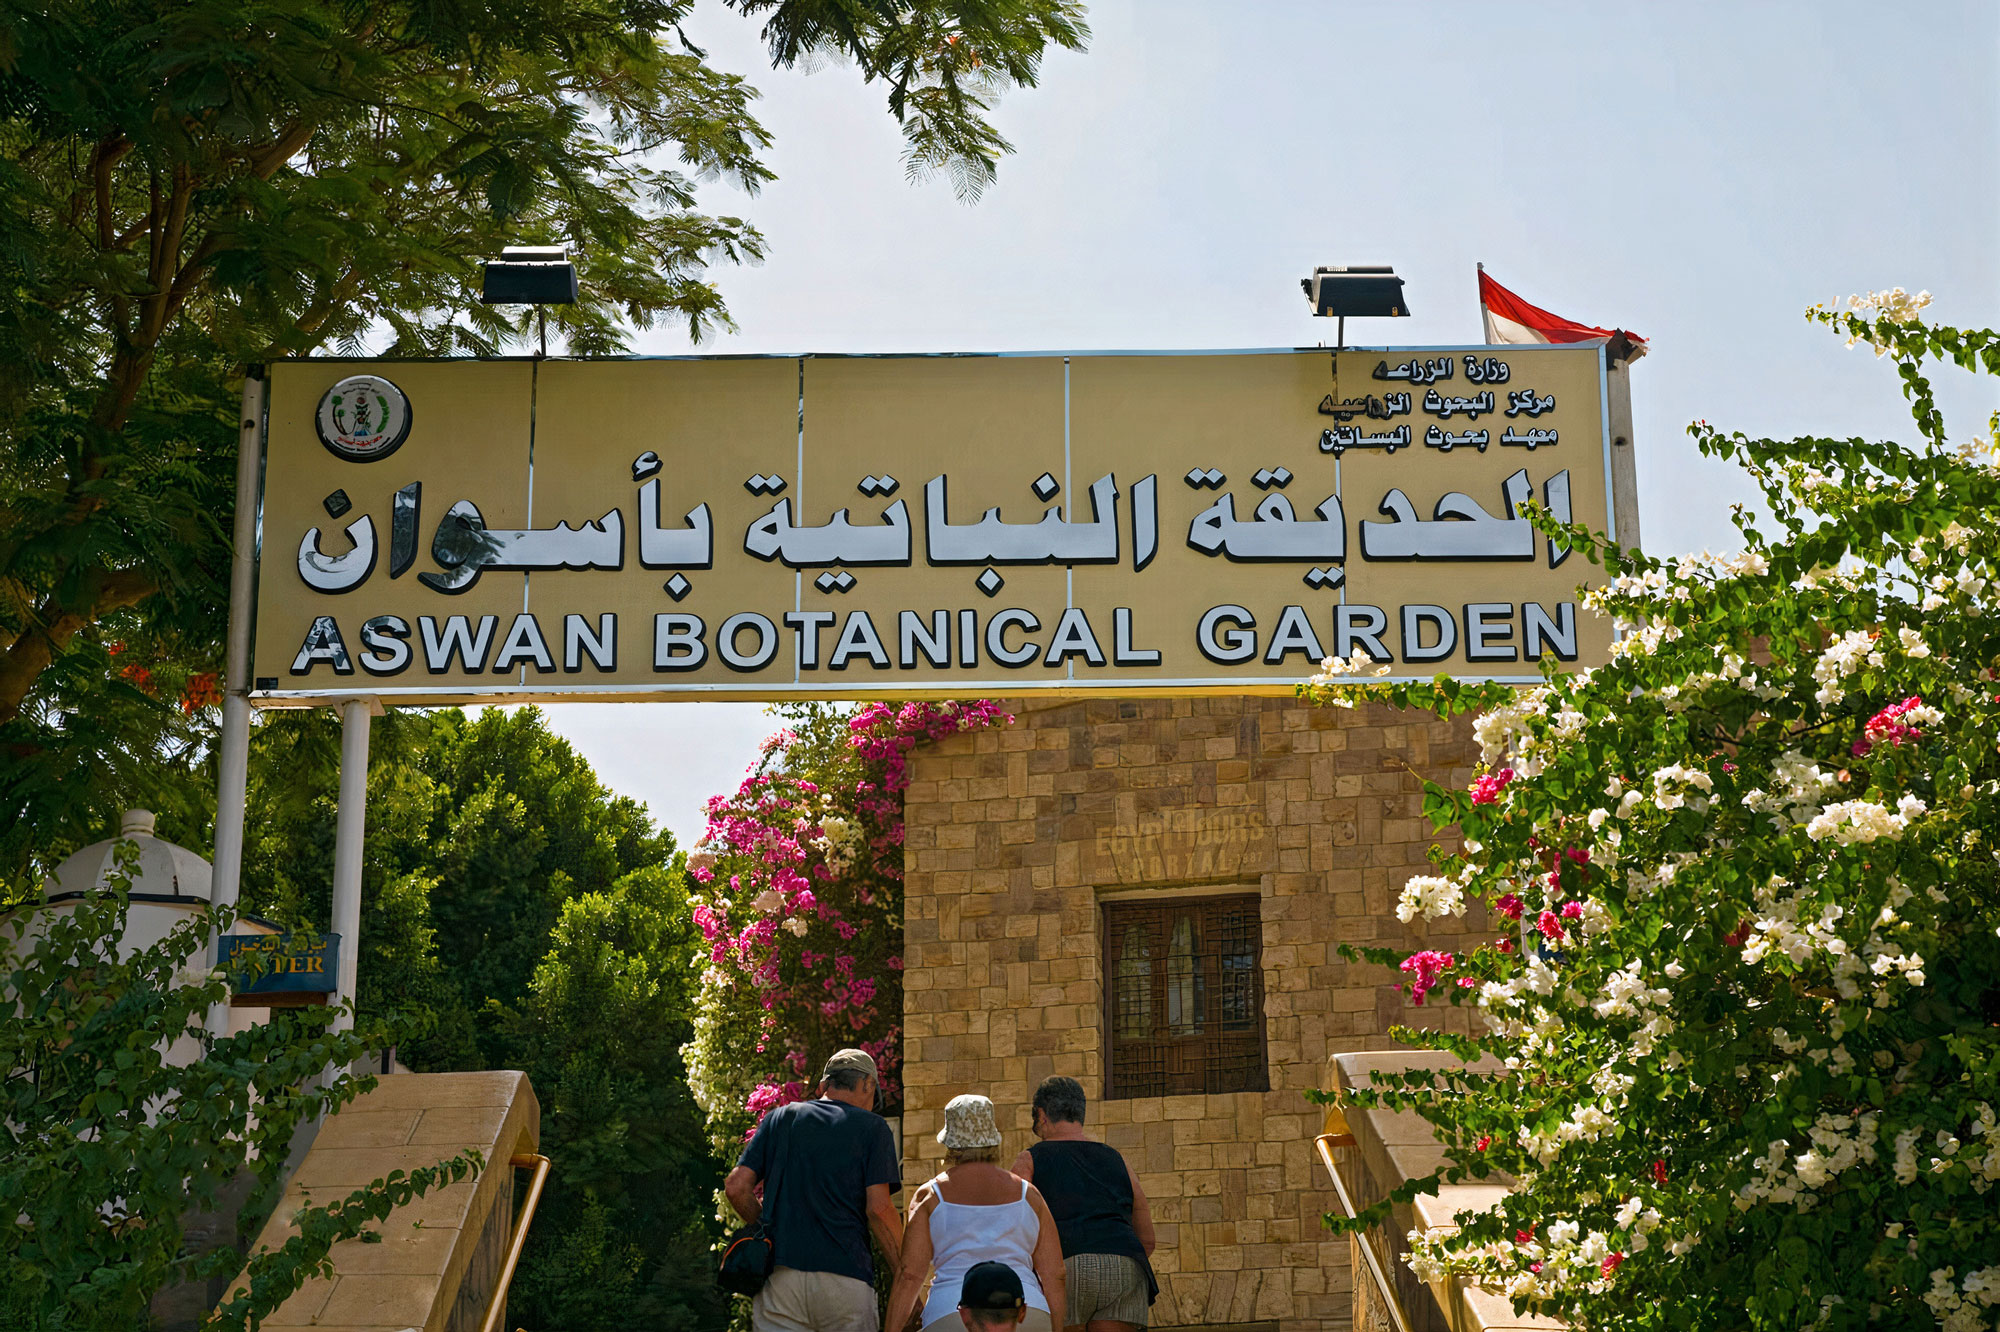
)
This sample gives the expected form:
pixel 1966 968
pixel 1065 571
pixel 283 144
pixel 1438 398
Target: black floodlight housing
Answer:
pixel 530 275
pixel 1361 290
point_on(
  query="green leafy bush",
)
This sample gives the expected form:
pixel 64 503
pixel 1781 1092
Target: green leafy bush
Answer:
pixel 121 1114
pixel 1748 1068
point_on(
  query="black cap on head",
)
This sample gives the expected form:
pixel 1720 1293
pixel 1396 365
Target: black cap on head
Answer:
pixel 993 1286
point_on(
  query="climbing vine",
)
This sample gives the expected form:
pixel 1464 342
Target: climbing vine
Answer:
pixel 800 907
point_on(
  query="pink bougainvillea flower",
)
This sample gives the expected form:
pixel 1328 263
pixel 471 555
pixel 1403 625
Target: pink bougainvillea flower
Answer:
pixel 1486 789
pixel 1572 910
pixel 769 1096
pixel 1509 906
pixel 807 842
pixel 1610 1263
pixel 1570 863
pixel 1550 926
pixel 1888 726
pixel 1426 967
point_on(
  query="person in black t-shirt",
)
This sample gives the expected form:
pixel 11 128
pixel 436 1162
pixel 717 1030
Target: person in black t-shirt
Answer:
pixel 1100 1212
pixel 828 1168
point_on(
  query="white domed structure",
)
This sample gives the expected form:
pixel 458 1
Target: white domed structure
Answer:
pixel 168 886
pixel 164 873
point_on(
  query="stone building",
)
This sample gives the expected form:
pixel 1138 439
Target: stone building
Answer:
pixel 1148 896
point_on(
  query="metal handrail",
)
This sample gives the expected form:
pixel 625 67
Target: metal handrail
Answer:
pixel 520 1240
pixel 1326 1142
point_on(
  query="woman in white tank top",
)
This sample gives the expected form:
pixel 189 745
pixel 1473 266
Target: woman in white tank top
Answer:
pixel 975 1212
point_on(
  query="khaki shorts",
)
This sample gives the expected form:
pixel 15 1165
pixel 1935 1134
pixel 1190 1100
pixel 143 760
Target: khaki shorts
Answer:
pixel 795 1301
pixel 1107 1287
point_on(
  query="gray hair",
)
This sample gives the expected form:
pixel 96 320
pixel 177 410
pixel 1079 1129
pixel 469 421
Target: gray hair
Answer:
pixel 1061 1099
pixel 958 1156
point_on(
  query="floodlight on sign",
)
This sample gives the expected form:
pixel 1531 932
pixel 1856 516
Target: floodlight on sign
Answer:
pixel 1364 291
pixel 530 275
pixel 1370 291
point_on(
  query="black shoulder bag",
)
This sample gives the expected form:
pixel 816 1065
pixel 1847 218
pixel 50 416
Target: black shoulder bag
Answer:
pixel 752 1253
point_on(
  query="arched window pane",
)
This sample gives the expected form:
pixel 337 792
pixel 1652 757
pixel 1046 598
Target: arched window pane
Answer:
pixel 1132 1005
pixel 1184 981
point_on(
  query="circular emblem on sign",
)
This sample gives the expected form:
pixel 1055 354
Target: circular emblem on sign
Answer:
pixel 363 417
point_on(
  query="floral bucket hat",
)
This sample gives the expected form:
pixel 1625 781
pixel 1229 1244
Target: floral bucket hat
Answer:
pixel 968 1124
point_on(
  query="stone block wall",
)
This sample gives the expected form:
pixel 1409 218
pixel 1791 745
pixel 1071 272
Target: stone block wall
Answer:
pixel 1015 836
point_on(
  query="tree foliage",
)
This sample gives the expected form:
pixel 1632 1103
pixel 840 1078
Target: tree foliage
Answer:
pixel 193 187
pixel 625 1242
pixel 480 829
pixel 1745 1029
pixel 517 914
pixel 121 1114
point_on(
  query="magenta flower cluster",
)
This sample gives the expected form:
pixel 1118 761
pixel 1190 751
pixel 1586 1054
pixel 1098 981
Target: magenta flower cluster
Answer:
pixel 802 895
pixel 1424 969
pixel 1888 727
pixel 1487 787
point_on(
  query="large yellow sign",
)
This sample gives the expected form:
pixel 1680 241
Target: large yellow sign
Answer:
pixel 868 526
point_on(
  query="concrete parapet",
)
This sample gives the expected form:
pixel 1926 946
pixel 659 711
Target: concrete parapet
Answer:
pixel 438 1259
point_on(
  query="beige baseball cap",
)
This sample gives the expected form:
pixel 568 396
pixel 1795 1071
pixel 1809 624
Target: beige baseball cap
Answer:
pixel 858 1060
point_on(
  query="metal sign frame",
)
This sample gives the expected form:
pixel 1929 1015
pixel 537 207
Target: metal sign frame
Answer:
pixel 520 688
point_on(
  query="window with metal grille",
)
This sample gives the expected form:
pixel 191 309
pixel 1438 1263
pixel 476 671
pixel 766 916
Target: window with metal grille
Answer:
pixel 1184 996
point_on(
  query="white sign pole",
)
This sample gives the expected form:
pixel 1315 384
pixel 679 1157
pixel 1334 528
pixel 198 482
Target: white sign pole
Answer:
pixel 348 831
pixel 233 750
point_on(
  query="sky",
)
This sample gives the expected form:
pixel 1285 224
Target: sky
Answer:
pixel 1698 173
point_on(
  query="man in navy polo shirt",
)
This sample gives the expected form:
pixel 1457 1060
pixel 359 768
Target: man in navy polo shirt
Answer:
pixel 828 1168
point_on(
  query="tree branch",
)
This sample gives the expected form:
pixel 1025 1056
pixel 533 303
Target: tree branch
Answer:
pixel 106 156
pixel 314 317
pixel 165 271
pixel 264 163
pixel 58 625
pixel 169 283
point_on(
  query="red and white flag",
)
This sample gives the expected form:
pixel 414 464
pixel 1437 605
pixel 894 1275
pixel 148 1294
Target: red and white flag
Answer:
pixel 1509 319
